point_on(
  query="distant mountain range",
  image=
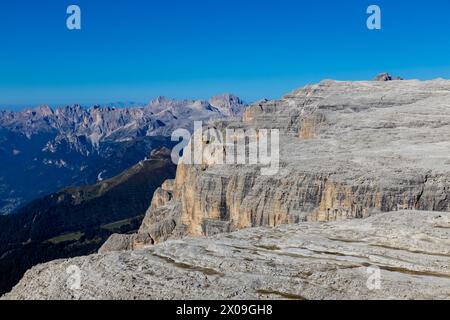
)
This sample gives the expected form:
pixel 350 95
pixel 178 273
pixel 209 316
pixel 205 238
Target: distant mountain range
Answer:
pixel 43 149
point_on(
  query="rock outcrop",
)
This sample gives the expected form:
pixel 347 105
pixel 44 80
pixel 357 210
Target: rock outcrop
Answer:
pixel 158 224
pixel 347 150
pixel 398 255
pixel 386 77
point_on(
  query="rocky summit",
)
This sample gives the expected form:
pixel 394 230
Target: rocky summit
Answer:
pixel 348 151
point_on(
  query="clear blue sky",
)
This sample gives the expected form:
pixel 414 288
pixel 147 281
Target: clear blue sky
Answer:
pixel 139 49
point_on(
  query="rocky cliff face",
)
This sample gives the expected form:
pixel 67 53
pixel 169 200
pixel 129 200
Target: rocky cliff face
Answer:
pixel 347 150
pixel 398 255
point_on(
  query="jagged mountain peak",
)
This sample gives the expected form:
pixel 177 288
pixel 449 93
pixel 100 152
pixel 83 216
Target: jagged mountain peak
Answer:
pixel 44 110
pixel 228 103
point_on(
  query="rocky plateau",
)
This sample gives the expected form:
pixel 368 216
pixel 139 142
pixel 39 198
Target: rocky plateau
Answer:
pixel 363 181
pixel 347 150
pixel 309 260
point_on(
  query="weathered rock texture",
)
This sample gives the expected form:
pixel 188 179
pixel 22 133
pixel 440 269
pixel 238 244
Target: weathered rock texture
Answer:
pixel 310 260
pixel 348 150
